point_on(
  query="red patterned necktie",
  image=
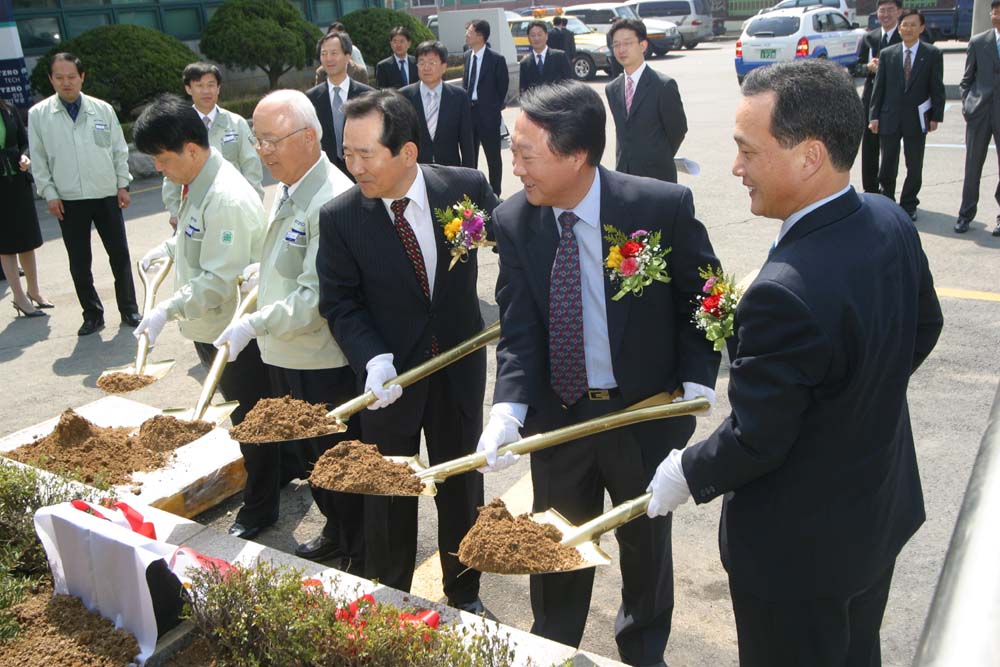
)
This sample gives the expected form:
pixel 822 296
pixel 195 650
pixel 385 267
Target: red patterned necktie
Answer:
pixel 184 191
pixel 568 365
pixel 412 248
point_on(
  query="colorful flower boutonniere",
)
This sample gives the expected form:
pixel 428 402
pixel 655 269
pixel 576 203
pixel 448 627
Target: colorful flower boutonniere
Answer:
pixel 635 261
pixel 464 227
pixel 715 310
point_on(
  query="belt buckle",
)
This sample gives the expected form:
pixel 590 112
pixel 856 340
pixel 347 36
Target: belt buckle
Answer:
pixel 599 394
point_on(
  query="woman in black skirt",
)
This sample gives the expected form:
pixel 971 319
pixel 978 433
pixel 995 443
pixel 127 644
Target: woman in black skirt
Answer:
pixel 19 231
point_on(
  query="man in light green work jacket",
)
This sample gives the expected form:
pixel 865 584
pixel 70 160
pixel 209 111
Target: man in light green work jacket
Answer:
pixel 79 159
pixel 228 132
pixel 221 230
pixel 295 342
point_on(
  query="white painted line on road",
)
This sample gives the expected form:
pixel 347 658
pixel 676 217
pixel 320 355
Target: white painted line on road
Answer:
pixel 993 146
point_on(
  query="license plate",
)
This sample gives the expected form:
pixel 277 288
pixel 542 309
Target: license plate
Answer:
pixel 768 54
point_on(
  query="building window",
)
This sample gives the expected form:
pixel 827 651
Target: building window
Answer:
pixel 146 18
pixel 423 3
pixel 39 33
pixel 182 23
pixel 77 24
pixel 35 4
pixel 349 6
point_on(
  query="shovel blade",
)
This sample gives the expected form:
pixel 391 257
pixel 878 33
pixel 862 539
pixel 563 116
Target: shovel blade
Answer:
pixel 340 427
pixel 215 414
pixel 591 553
pixel 417 466
pixel 156 369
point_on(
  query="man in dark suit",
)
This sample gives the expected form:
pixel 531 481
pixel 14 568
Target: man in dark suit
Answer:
pixel 543 64
pixel 649 116
pixel 910 74
pixel 485 79
pixel 552 254
pixel 443 111
pixel 399 69
pixel 334 51
pixel 981 108
pixel 874 40
pixel 554 38
pixel 816 462
pixel 392 303
pixel 569 39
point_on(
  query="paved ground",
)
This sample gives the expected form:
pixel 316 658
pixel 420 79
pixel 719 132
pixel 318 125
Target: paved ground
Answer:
pixel 47 368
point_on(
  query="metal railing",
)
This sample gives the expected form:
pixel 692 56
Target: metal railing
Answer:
pixel 963 625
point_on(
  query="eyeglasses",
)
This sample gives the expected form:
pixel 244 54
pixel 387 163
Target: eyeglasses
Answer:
pixel 624 45
pixel 271 144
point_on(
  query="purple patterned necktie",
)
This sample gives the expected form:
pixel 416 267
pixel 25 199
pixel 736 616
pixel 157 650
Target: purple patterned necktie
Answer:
pixel 629 94
pixel 412 248
pixel 566 356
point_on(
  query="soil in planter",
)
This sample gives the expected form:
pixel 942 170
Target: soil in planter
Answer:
pixel 119 383
pixel 354 467
pixel 285 418
pixel 163 433
pixel 196 654
pixel 60 631
pixel 501 543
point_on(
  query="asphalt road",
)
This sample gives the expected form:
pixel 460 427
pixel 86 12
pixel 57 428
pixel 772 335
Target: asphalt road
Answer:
pixel 46 368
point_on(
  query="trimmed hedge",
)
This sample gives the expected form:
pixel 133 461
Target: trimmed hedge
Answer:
pixel 125 65
pixel 369 30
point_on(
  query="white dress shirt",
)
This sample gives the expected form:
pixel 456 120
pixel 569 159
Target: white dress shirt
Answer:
pixel 418 214
pixel 544 53
pixel 913 53
pixel 425 93
pixel 210 115
pixel 474 85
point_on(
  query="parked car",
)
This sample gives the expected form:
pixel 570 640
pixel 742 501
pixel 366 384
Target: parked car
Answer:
pixel 662 36
pixel 799 32
pixel 846 7
pixel 591 46
pixel 943 23
pixel 693 17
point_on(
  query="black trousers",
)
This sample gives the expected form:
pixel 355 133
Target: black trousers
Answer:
pixel 107 219
pixel 572 479
pixel 486 133
pixel 826 632
pixel 391 522
pixel 977 144
pixel 245 380
pixel 343 511
pixel 913 150
pixel 869 161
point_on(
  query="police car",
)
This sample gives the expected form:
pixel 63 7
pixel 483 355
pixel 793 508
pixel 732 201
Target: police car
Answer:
pixel 799 32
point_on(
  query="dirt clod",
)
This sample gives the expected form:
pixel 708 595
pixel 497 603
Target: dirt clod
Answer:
pixel 285 418
pixel 354 467
pixel 163 433
pixel 120 383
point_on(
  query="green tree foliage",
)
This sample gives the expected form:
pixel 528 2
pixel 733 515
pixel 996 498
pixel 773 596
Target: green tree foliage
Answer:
pixel 125 65
pixel 269 34
pixel 369 30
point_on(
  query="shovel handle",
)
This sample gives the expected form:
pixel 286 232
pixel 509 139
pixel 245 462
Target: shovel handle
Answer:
pixel 149 286
pixel 244 305
pixel 617 516
pixel 482 339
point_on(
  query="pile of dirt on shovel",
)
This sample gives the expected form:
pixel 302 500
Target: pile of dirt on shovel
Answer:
pixel 285 418
pixel 354 467
pixel 501 543
pixel 163 433
pixel 120 383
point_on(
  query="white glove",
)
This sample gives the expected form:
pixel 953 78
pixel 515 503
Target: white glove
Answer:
pixel 159 252
pixel 502 429
pixel 251 277
pixel 238 334
pixel 380 370
pixel 152 324
pixel 669 487
pixel 693 390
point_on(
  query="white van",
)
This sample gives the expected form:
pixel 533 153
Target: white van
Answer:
pixel 693 17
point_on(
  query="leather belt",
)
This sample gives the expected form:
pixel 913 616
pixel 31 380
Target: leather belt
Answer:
pixel 603 394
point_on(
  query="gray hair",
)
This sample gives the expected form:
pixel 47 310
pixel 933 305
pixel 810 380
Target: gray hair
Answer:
pixel 297 106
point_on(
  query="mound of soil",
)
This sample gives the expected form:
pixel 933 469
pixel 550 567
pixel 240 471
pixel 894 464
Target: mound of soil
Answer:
pixel 501 543
pixel 120 383
pixel 354 467
pixel 162 433
pixel 285 418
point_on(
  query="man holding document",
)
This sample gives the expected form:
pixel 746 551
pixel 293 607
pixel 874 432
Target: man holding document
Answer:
pixel 907 102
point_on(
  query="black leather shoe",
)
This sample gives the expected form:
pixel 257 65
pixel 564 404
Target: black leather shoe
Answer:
pixel 319 548
pixel 132 319
pixel 246 532
pixel 996 230
pixel 961 226
pixel 90 325
pixel 475 607
pixel 912 214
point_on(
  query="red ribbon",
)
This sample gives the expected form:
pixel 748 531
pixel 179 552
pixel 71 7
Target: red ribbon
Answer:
pixel 135 520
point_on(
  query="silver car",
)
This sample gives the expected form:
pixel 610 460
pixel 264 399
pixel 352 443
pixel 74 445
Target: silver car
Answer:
pixel 693 17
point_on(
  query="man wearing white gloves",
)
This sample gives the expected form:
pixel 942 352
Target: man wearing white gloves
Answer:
pixel 222 224
pixel 302 358
pixel 392 303
pixel 569 352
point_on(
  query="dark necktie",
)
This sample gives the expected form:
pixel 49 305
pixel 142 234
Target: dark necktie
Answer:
pixel 907 66
pixel 404 73
pixel 412 249
pixel 472 78
pixel 885 42
pixel 538 60
pixel 568 364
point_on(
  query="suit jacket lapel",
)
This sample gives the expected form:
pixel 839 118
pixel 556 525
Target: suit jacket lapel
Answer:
pixel 641 90
pixel 439 195
pixel 617 311
pixel 918 64
pixel 827 214
pixel 542 241
pixel 383 232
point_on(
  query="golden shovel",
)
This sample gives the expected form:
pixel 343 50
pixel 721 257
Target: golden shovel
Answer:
pixel 343 412
pixel 658 406
pixel 142 365
pixel 203 409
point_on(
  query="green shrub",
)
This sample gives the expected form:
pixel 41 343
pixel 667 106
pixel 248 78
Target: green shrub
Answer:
pixel 243 106
pixel 369 30
pixel 266 34
pixel 125 65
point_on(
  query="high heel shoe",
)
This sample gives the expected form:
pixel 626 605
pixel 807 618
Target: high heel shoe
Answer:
pixel 41 304
pixel 21 311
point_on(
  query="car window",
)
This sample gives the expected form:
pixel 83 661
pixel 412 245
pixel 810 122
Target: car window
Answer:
pixel 598 16
pixel 838 22
pixel 820 23
pixel 773 26
pixel 519 28
pixel 670 8
pixel 577 27
pixel 701 7
pixel 626 12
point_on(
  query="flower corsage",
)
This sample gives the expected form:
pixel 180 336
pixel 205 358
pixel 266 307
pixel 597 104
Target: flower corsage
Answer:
pixel 464 226
pixel 635 261
pixel 716 309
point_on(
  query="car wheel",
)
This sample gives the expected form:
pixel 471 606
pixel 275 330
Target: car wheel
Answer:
pixel 739 80
pixel 649 50
pixel 583 68
pixel 690 45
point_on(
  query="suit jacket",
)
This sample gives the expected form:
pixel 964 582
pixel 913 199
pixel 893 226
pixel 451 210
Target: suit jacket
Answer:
pixel 870 46
pixel 452 143
pixel 647 138
pixel 555 68
pixel 555 40
pixel 320 97
pixel 569 43
pixel 15 145
pixel 817 459
pixel 654 344
pixel 981 76
pixel 492 88
pixel 894 101
pixel 373 303
pixel 387 73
